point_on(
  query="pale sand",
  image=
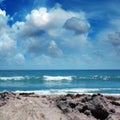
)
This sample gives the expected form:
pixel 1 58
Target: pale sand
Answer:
pixel 32 107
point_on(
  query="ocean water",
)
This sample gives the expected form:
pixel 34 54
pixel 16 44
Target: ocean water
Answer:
pixel 61 81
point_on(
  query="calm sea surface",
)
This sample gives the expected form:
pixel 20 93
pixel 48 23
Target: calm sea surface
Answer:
pixel 61 81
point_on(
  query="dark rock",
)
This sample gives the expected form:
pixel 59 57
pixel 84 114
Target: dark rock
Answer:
pixel 79 95
pixel 113 98
pixel 100 113
pixel 86 99
pixel 96 105
pixel 26 94
pixel 63 107
pixel 112 110
pixel 72 105
pixel 5 96
pixel 83 109
pixel 87 112
pixel 94 95
pixel 115 103
pixel 70 96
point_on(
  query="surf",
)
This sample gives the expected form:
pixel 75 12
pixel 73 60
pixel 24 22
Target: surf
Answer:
pixel 57 78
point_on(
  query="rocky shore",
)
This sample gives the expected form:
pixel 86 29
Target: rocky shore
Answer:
pixel 28 106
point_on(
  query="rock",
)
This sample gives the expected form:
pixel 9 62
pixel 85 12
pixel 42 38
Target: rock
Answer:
pixel 115 103
pixel 112 110
pixel 26 94
pixel 114 117
pixel 72 105
pixel 96 105
pixel 63 107
pixel 2 103
pixel 87 112
pixel 5 96
pixel 100 113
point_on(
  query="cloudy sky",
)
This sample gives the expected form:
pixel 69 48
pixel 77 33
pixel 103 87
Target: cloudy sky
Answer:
pixel 59 34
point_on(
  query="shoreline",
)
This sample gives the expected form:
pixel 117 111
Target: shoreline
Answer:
pixel 29 106
pixel 37 92
pixel 75 91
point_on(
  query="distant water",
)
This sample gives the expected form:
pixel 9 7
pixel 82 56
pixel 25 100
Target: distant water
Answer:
pixel 61 81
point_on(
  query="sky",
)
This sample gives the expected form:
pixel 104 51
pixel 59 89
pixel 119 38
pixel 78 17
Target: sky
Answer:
pixel 59 34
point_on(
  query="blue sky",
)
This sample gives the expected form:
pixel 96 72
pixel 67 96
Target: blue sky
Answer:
pixel 60 34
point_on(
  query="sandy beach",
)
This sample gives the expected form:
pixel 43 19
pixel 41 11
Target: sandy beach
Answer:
pixel 28 106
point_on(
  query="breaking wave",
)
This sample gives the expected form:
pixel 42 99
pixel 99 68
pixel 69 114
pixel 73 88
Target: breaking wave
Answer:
pixel 60 91
pixel 12 78
pixel 60 78
pixel 69 91
pixel 55 78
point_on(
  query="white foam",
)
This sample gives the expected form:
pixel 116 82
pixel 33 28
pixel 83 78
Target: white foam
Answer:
pixel 61 91
pixel 70 91
pixel 56 78
pixel 12 78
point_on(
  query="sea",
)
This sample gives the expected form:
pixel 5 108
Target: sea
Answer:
pixel 47 82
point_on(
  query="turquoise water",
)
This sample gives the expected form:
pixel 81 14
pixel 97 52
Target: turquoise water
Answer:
pixel 61 81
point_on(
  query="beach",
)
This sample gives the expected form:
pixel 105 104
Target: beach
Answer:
pixel 60 95
pixel 29 106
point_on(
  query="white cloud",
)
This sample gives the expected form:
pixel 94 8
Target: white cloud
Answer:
pixel 50 21
pixel 2 12
pixel 38 18
pixel 43 34
pixel 53 49
pixel 3 22
pixel 6 44
pixel 43 25
pixel 7 49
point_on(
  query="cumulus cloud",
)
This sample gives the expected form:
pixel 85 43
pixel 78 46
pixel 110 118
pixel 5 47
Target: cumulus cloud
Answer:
pixel 8 44
pixel 3 22
pixel 7 48
pixel 77 25
pixel 43 25
pixel 53 49
pixel 50 21
pixel 41 47
pixel 38 18
pixel 42 34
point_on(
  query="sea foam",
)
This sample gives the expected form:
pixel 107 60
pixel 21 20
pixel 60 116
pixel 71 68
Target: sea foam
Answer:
pixel 69 91
pixel 61 91
pixel 56 78
pixel 12 78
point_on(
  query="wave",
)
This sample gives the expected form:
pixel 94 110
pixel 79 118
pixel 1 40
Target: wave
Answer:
pixel 47 78
pixel 56 78
pixel 12 78
pixel 98 77
pixel 60 91
pixel 59 78
pixel 70 91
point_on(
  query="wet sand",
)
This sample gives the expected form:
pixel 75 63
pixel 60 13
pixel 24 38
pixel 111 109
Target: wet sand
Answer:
pixel 28 106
